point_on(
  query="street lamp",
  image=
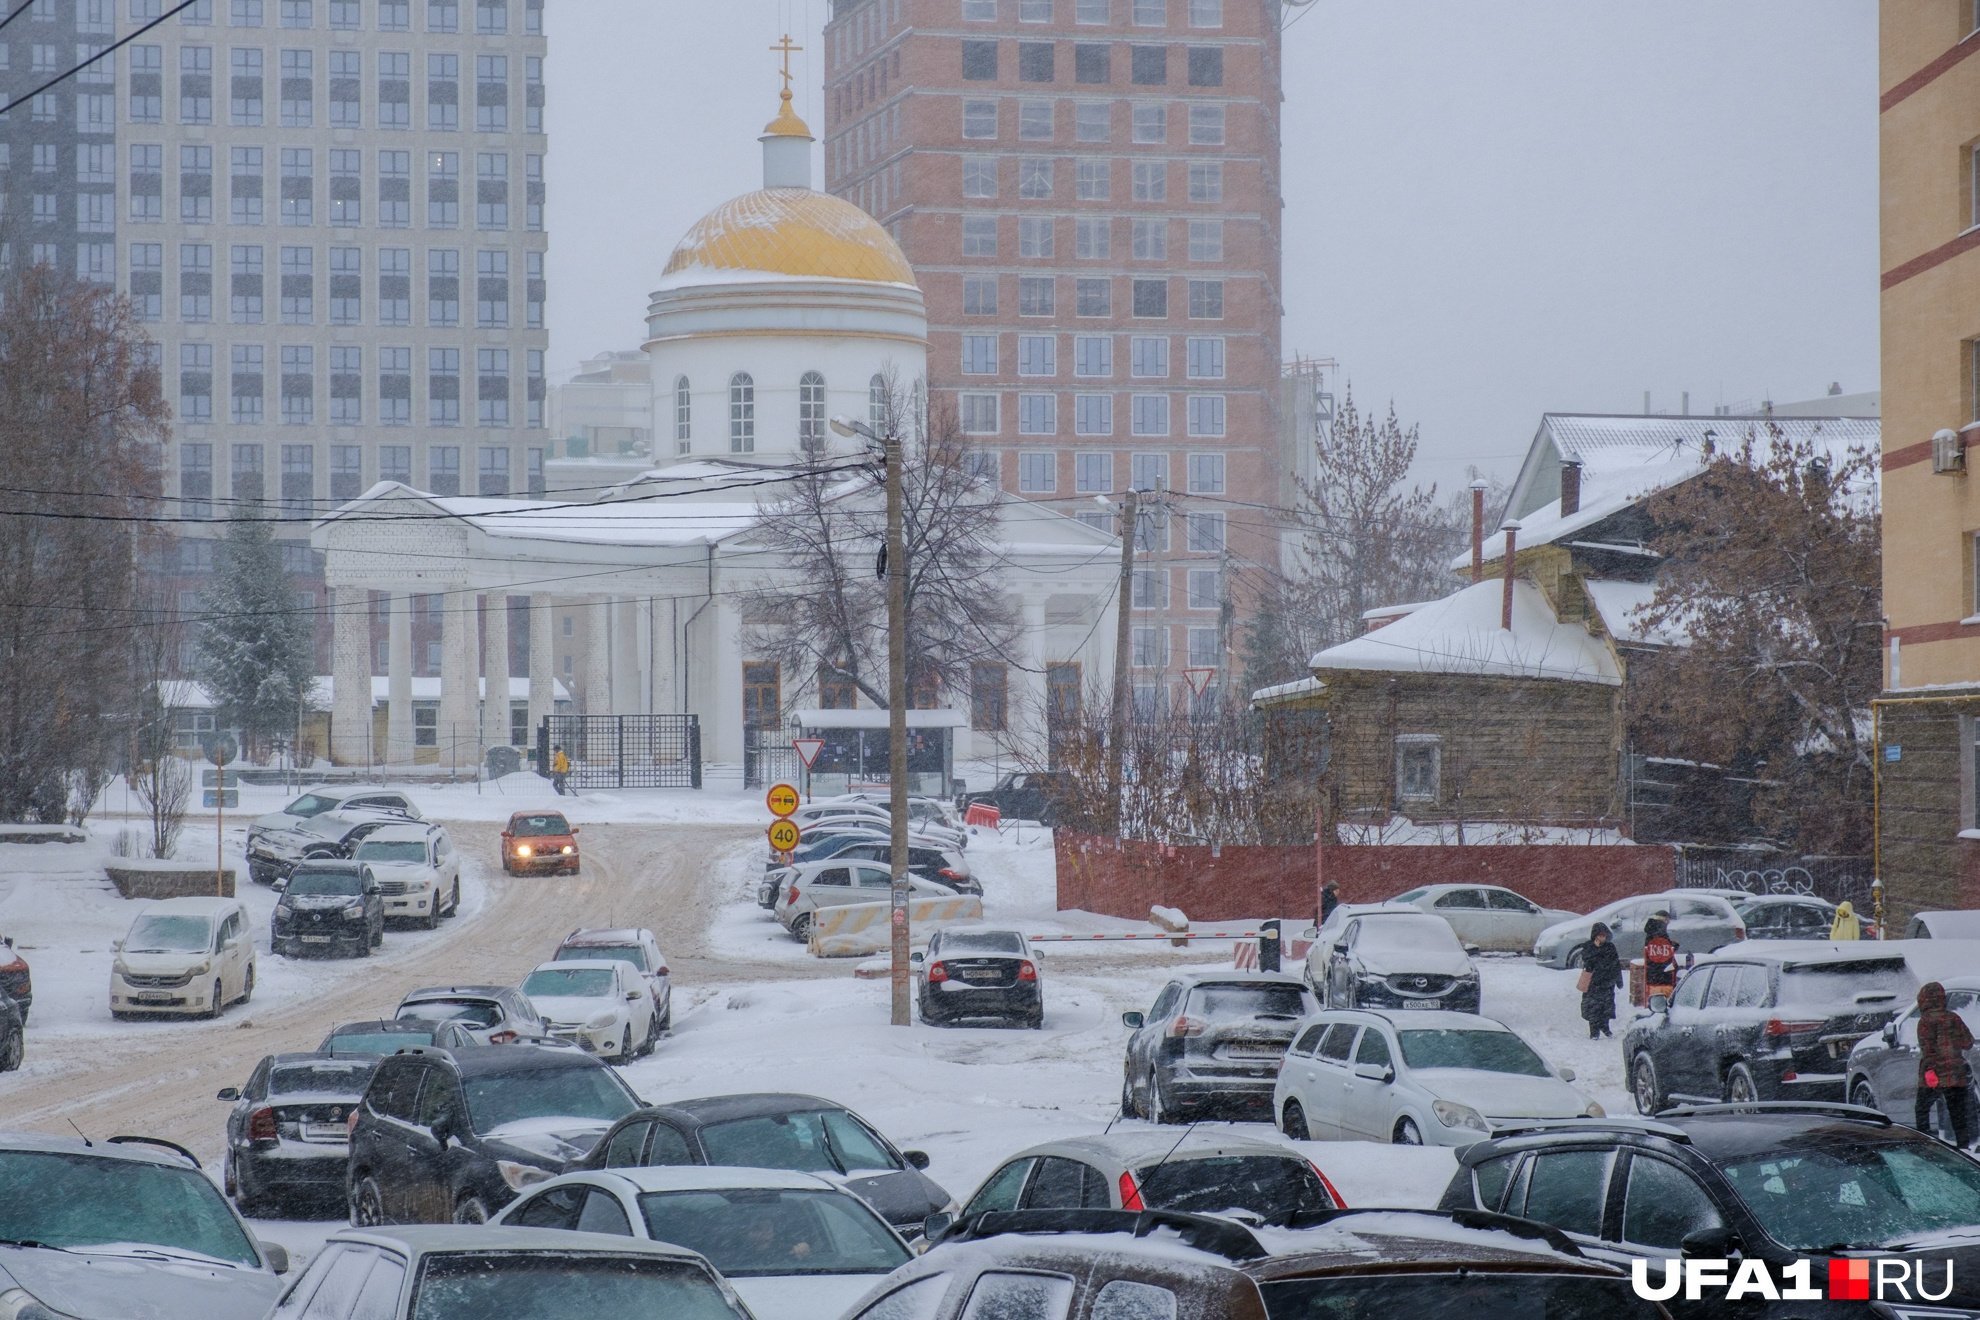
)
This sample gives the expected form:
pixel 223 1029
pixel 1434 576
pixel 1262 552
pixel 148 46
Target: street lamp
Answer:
pixel 897 794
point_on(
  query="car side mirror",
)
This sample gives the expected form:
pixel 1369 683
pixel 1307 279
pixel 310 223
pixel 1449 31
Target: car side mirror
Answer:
pixel 1134 1020
pixel 1567 1074
pixel 1890 1033
pixel 918 1158
pixel 1471 950
pixel 116 946
pixel 935 1226
pixel 574 830
pixel 1375 1072
pixel 1716 1243
pixel 632 995
pixel 914 957
pixel 275 1254
pixel 229 1093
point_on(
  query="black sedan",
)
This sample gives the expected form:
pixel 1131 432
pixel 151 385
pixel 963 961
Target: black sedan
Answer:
pixel 772 1131
pixel 289 1130
pixel 980 974
pixel 326 906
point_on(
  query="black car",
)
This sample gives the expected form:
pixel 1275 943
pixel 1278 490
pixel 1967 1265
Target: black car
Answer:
pixel 1776 1182
pixel 980 974
pixel 927 862
pixel 1025 795
pixel 392 1035
pixel 16 982
pixel 274 855
pixel 288 1134
pixel 774 1131
pixel 1786 917
pixel 1212 1043
pixel 1765 1022
pixel 452 1135
pixel 326 906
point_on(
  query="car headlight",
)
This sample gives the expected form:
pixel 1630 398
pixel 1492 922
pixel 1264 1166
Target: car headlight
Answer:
pixel 354 911
pixel 517 1176
pixel 202 969
pixel 602 1021
pixel 19 1304
pixel 119 969
pixel 522 850
pixel 570 848
pixel 1453 1115
pixel 1594 1111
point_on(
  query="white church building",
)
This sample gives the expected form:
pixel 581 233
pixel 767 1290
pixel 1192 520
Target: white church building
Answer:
pixel 779 310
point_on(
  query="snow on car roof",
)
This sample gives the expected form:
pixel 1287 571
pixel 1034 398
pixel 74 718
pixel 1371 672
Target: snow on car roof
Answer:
pixel 710 1177
pixel 1133 1147
pixel 1371 1235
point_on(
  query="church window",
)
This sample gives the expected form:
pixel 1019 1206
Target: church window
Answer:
pixel 742 414
pixel 876 403
pixel 811 412
pixel 683 416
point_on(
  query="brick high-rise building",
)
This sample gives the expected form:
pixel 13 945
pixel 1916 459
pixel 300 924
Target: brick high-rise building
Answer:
pixel 1089 193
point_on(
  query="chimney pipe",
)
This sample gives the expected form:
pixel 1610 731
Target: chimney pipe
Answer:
pixel 1511 530
pixel 1570 487
pixel 1687 403
pixel 1646 403
pixel 1478 531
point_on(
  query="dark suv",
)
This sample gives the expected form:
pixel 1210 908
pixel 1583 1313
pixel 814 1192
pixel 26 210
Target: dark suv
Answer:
pixel 1775 1182
pixel 1212 1041
pixel 1769 1021
pixel 1025 795
pixel 452 1135
pixel 328 905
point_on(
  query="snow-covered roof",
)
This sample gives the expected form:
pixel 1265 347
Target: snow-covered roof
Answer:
pixel 1619 602
pixel 877 719
pixel 1282 692
pixel 188 694
pixel 1461 634
pixel 1392 611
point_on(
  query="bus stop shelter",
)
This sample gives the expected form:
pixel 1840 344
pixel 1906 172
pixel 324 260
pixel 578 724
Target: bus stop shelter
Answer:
pixel 855 751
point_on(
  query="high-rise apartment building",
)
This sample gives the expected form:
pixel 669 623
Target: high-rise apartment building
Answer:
pixel 1089 193
pixel 329 215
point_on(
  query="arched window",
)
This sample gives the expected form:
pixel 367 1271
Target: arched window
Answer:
pixel 742 414
pixel 683 416
pixel 811 413
pixel 876 403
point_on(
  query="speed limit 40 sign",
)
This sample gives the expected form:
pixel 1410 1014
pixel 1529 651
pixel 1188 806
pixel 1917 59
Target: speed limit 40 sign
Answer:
pixel 783 800
pixel 783 835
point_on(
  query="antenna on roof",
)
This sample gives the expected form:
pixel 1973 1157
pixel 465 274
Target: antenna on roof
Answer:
pixel 1157 1166
pixel 79 1132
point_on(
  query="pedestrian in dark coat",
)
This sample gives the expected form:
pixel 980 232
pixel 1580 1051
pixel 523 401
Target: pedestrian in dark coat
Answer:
pixel 1601 974
pixel 1330 898
pixel 1943 1040
pixel 1659 963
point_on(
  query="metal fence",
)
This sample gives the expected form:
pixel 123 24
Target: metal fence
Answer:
pixel 1834 878
pixel 767 761
pixel 625 751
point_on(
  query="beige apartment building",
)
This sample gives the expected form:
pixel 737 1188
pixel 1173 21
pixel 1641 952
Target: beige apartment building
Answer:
pixel 1088 191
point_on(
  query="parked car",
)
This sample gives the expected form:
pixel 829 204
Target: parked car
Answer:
pixel 540 841
pixel 1944 926
pixel 1882 1069
pixel 1327 934
pixel 927 815
pixel 1768 1021
pixel 943 866
pixel 13 1034
pixel 1211 1043
pixel 129 1228
pixel 803 890
pixel 1215 1173
pixel 1785 916
pixel 601 1005
pixel 453 1135
pixel 1346 1265
pixel 637 949
pixel 1025 795
pixel 16 981
pixel 1416 1078
pixel 316 802
pixel 334 835
pixel 329 905
pixel 1398 960
pixel 447 1273
pixel 184 957
pixel 792 1245
pixel 978 972
pixel 288 1134
pixel 1486 915
pixel 418 870
pixel 776 1131
pixel 1771 1182
pixel 1701 921
pixel 390 1036
pixel 492 1014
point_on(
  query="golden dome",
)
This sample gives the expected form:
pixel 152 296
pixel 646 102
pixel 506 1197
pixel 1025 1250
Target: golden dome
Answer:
pixel 793 231
pixel 787 124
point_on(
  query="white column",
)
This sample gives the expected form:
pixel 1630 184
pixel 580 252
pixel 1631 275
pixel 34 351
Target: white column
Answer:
pixel 398 704
pixel 495 667
pixel 625 657
pixel 459 634
pixel 597 656
pixel 542 667
pixel 350 673
pixel 1025 718
pixel 722 714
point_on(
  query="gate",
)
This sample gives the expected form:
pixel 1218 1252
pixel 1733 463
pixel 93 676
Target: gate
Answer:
pixel 766 760
pixel 624 751
pixel 1832 878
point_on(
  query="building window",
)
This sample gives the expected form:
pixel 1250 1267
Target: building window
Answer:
pixel 443 469
pixel 443 93
pixel 147 84
pixel 245 286
pixel 1035 179
pixel 1094 297
pixel 491 290
pixel 979 176
pixel 1151 298
pixel 979 355
pixel 1419 760
pixel 979 236
pixel 492 477
pixel 1151 123
pixel 1092 11
pixel 534 291
pixel 533 473
pixel 298 286
pixel 148 281
pixel 1206 182
pixel 1149 589
pixel 395 189
pixel 298 481
pixel 1037 473
pixel 395 286
pixel 443 287
pixel 395 463
pixel 979 119
pixel 1038 355
pixel 1093 414
pixel 195 282
pixel 1206 13
pixel 1150 648
pixel 1150 65
pixel 491 190
pixel 1206 66
pixel 1206 125
pixel 1205 589
pixel 979 61
pixel 1093 239
pixel 1150 356
pixel 298 89
pixel 1035 61
pixel 346 401
pixel 1206 359
pixel 742 414
pixel 491 93
pixel 245 100
pixel 1035 296
pixel 1151 240
pixel 1151 183
pixel 1206 414
pixel 979 11
pixel 980 295
pixel 394 400
pixel 346 189
pixel 1206 240
pixel 535 388
pixel 1206 300
pixel 196 391
pixel 443 190
pixel 1206 474
pixel 989 691
pixel 492 392
pixel 1150 471
pixel 1035 236
pixel 394 86
pixel 1093 64
pixel 247 363
pixel 979 414
pixel 811 412
pixel 1206 533
pixel 196 469
pixel 443 393
pixel 1093 355
pixel 1151 414
pixel 248 472
pixel 346 286
pixel 245 185
pixel 1038 414
pixel 1093 473
pixel 1034 121
pixel 683 416
pixel 1151 13
pixel 1093 181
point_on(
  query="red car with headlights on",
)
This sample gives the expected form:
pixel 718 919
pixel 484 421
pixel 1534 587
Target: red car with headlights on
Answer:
pixel 540 841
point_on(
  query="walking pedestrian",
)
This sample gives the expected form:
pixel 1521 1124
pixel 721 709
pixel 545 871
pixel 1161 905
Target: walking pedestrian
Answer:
pixel 1601 973
pixel 1943 1040
pixel 560 770
pixel 1330 898
pixel 1659 963
pixel 1846 926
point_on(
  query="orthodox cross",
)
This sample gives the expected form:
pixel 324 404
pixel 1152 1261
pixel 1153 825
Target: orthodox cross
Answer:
pixel 788 48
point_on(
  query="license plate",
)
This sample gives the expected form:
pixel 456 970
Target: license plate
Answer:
pixel 979 976
pixel 153 997
pixel 325 1132
pixel 1423 1003
pixel 1256 1051
pixel 1840 1049
pixel 316 939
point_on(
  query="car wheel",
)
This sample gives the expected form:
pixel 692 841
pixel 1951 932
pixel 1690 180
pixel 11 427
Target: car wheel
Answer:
pixel 1128 1109
pixel 364 945
pixel 801 928
pixel 1407 1133
pixel 1037 1020
pixel 1573 962
pixel 666 1022
pixel 431 921
pixel 471 1211
pixel 1742 1087
pixel 215 1007
pixel 1862 1096
pixel 247 986
pixel 1293 1122
pixel 1644 1086
pixel 506 868
pixel 13 1051
pixel 228 1182
pixel 1159 1110
pixel 378 940
pixel 625 1054
pixel 367 1204
pixel 454 903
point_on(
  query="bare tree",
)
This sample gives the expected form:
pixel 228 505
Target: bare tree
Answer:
pixel 161 779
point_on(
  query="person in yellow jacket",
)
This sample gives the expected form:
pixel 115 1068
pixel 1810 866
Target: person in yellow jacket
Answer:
pixel 560 769
pixel 1846 926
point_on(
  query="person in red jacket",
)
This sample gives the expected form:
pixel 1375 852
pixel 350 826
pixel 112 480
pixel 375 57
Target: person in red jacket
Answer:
pixel 1943 1040
pixel 1659 963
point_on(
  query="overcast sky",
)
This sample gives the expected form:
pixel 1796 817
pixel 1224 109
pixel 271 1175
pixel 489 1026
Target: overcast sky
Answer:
pixel 1492 211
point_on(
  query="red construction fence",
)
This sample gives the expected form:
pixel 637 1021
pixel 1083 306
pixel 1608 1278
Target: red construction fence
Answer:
pixel 1123 877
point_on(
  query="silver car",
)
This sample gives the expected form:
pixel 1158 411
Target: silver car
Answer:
pixel 1701 921
pixel 1883 1067
pixel 1487 916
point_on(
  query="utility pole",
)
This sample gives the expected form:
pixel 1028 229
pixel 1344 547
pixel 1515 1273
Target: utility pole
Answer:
pixel 897 700
pixel 1123 656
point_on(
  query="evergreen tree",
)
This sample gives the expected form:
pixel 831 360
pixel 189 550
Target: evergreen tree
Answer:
pixel 256 649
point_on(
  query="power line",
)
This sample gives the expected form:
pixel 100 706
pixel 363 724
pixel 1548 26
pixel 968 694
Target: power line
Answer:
pixel 110 49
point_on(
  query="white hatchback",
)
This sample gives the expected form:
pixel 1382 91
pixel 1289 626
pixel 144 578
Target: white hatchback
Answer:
pixel 418 870
pixel 602 1005
pixel 185 957
pixel 803 889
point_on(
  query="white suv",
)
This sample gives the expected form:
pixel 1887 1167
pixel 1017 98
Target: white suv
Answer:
pixel 184 957
pixel 418 870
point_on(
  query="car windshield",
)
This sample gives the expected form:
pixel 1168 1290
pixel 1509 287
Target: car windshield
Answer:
pixel 569 982
pixel 955 944
pixel 325 882
pixel 475 1012
pixel 532 827
pixel 1456 1295
pixel 375 1042
pixel 1273 1186
pixel 1399 934
pixel 818 1141
pixel 1480 1051
pixel 310 804
pixel 322 1077
pixel 1266 1000
pixel 1884 1194
pixel 749 1231
pixel 565 1285
pixel 392 850
pixel 82 1201
pixel 169 934
pixel 595 1094
pixel 1841 982
pixel 625 953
